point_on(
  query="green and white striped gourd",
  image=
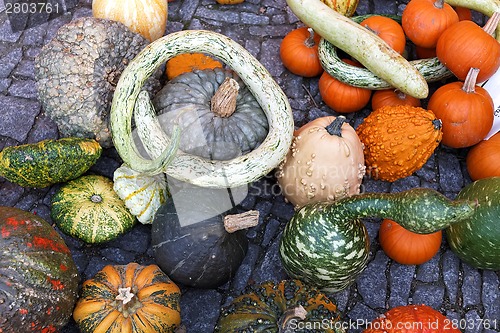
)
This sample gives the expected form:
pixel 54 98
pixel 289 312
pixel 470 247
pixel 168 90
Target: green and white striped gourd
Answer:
pixel 188 168
pixel 431 69
pixel 142 194
pixel 326 244
pixel 89 209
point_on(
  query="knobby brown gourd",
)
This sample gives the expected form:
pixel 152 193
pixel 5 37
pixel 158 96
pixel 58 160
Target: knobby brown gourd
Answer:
pixel 189 168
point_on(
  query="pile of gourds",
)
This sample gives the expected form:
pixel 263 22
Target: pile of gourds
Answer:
pixel 319 167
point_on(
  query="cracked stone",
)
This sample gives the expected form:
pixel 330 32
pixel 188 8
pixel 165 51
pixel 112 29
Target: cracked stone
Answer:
pixel 201 309
pixel 490 295
pixel 270 268
pixel 450 180
pixel 451 265
pixel 10 61
pixel 429 271
pixel 23 88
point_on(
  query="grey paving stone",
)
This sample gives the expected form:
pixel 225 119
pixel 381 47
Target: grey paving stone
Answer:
pixel 23 88
pixel 10 61
pixel 251 18
pixel 269 268
pixel 429 271
pixel 401 277
pixel 429 294
pixel 5 84
pixel 490 297
pixel 44 128
pixel 372 282
pixel 360 316
pixel 17 116
pixel 245 270
pixel 201 309
pixel 470 284
pixel 187 10
pixel 25 69
pixel 450 271
pixel 272 226
pixel 471 323
pixel 450 180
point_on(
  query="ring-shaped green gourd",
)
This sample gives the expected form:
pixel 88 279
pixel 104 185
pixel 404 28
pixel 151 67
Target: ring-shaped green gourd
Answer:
pixel 195 170
pixel 431 69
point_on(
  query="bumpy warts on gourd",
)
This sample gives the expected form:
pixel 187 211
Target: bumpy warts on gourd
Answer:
pixel 398 140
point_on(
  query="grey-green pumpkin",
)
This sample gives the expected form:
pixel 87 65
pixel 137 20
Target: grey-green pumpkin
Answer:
pixel 89 209
pixel 219 117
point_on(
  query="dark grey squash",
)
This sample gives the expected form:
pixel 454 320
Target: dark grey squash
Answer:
pixel 207 132
pixel 190 243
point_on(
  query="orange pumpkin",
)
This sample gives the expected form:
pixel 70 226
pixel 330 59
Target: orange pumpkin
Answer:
pixel 299 52
pixel 188 62
pixel 411 319
pixel 465 45
pixel 424 21
pixel 482 159
pixel 387 29
pixel 340 96
pixel 463 13
pixel 392 97
pixel 128 298
pixel 466 111
pixel 406 247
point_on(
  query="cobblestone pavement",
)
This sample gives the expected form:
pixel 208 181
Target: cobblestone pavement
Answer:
pixel 445 283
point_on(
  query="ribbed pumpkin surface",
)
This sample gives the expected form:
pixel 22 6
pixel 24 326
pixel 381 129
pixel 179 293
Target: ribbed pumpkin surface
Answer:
pixel 398 140
pixel 128 298
pixel 38 277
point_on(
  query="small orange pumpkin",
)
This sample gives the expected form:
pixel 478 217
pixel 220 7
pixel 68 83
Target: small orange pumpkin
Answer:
pixel 299 52
pixel 463 13
pixel 466 111
pixel 387 29
pixel 424 21
pixel 465 45
pixel 342 97
pixel 411 319
pixel 398 140
pixel 406 247
pixel 392 97
pixel 482 159
pixel 188 62
pixel 128 298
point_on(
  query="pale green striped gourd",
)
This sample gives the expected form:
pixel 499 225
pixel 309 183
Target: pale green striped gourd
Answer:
pixel 326 244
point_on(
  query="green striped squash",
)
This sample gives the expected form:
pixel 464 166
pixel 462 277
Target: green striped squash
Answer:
pixel 89 209
pixel 327 246
pixel 476 240
pixel 49 161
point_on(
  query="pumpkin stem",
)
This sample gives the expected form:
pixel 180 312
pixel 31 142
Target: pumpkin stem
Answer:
pixel 309 42
pixel 492 23
pixel 96 198
pixel 235 222
pixel 127 302
pixel 223 102
pixel 285 320
pixel 335 128
pixel 439 4
pixel 469 85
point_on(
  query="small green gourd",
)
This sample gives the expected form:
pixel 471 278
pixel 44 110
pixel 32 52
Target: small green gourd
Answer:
pixel 326 244
pixel 49 161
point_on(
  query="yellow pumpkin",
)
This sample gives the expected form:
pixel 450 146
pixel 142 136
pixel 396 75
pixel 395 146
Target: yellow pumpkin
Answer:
pixel 229 2
pixel 325 162
pixel 398 140
pixel 344 7
pixel 145 17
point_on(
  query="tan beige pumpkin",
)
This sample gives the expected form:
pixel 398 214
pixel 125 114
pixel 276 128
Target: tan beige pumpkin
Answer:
pixel 325 162
pixel 146 17
pixel 398 140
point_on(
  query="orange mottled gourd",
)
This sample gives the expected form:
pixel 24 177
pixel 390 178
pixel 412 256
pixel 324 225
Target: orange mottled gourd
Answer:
pixel 412 319
pixel 398 140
